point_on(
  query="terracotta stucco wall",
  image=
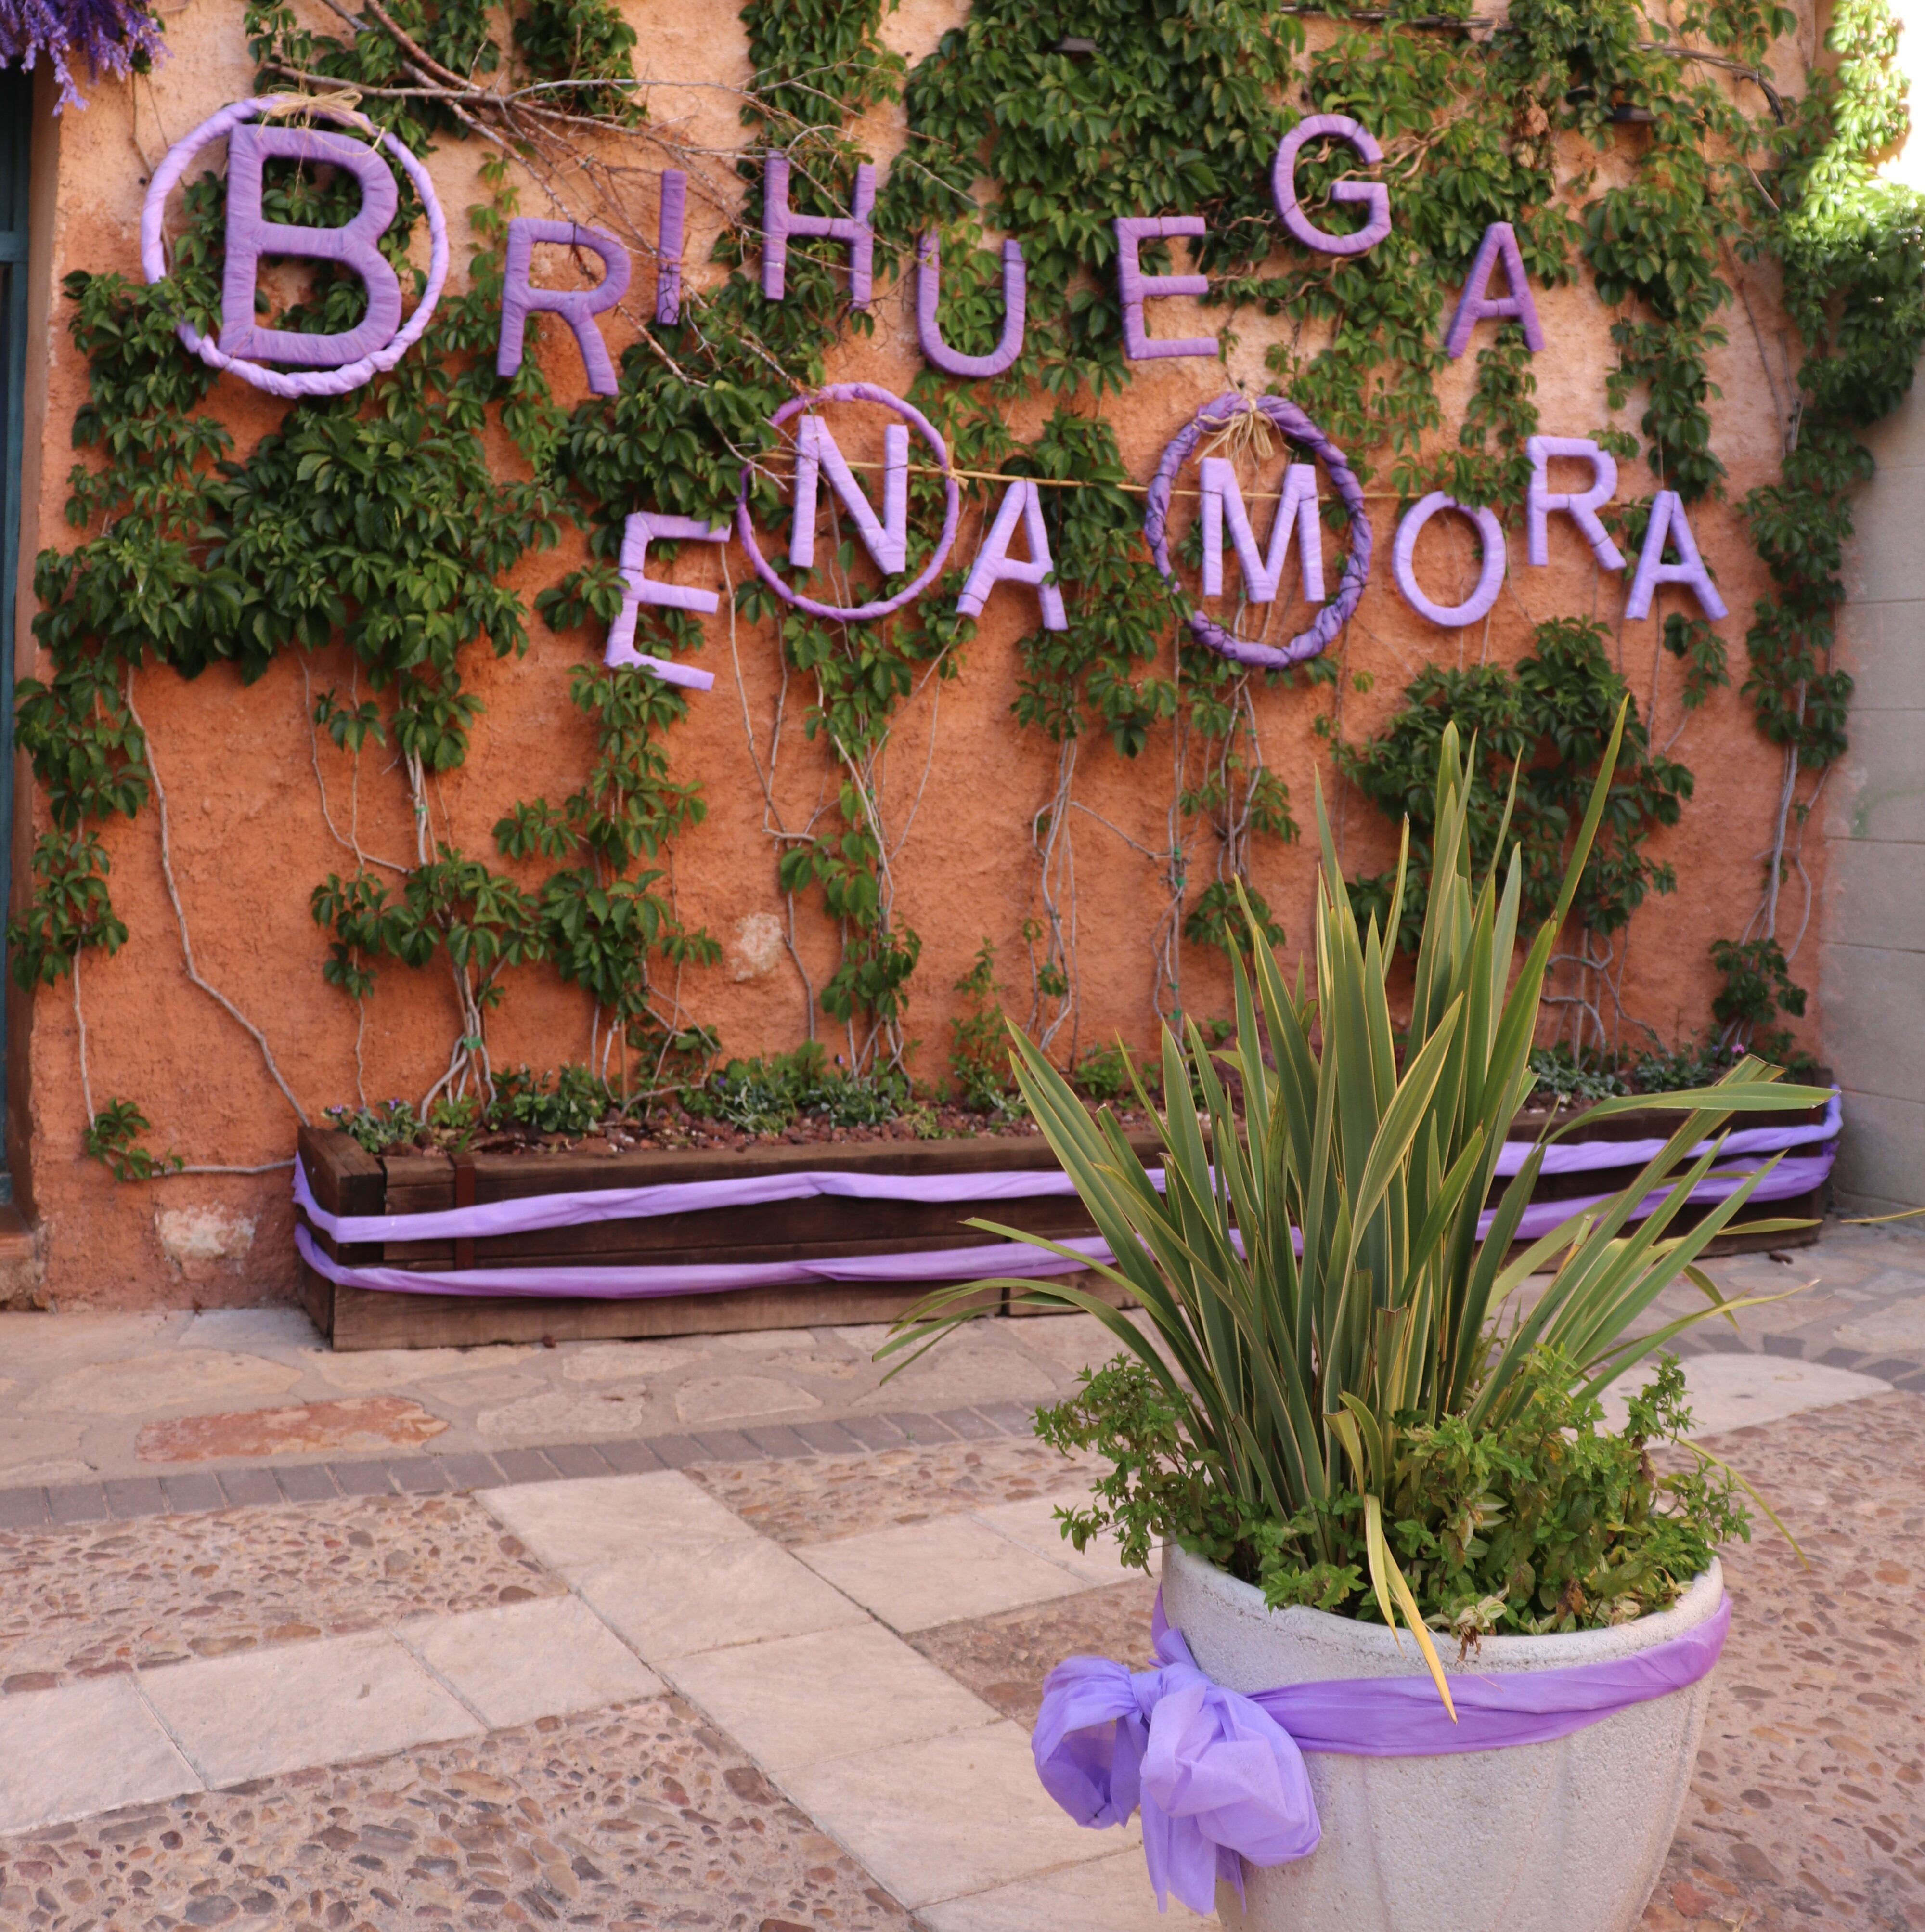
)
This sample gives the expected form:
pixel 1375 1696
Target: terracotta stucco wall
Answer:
pixel 244 782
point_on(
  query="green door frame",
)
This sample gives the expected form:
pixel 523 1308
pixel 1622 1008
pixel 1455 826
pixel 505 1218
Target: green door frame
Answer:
pixel 16 117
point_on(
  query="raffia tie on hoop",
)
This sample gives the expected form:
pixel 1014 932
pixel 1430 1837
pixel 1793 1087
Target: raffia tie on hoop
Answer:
pixel 299 383
pixel 341 103
pixel 1247 435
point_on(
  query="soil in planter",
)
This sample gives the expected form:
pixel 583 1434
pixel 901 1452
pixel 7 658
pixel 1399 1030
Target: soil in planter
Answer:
pixel 673 1127
pixel 796 1099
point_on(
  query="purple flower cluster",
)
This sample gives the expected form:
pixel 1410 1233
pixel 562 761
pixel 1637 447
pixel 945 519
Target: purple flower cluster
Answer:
pixel 111 36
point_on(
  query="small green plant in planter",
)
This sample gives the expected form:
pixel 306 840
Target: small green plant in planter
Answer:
pixel 1344 1393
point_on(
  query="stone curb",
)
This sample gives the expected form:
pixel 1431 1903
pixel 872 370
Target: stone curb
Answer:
pixel 183 1492
pixel 121 1499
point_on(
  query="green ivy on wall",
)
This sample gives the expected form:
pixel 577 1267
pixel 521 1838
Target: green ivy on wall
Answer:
pixel 1072 116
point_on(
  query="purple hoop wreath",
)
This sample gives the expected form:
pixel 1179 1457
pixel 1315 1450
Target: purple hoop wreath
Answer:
pixel 744 523
pixel 1295 425
pixel 301 382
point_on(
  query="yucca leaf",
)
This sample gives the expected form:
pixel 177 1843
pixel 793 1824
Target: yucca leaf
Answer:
pixel 1393 1595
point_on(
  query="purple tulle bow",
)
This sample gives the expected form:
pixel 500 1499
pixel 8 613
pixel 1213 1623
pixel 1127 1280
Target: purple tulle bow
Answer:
pixel 1219 1777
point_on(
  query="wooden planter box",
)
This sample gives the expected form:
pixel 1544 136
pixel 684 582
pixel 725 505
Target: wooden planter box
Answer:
pixel 346 1180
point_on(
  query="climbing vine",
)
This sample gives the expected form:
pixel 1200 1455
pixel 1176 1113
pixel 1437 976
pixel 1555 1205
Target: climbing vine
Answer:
pixel 377 523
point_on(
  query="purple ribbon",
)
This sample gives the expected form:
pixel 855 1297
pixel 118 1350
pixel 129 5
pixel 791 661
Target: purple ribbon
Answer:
pixel 619 1283
pixel 1219 1777
pixel 1016 1258
pixel 582 1206
pixel 1583 1157
pixel 578 1207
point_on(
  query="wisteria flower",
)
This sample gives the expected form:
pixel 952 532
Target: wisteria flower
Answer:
pixel 114 37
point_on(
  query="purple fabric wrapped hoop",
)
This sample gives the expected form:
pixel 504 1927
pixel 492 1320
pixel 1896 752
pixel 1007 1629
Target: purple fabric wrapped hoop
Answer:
pixel 744 523
pixel 1214 415
pixel 307 381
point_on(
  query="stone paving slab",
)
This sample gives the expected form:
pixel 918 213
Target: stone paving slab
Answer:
pixel 801 1700
pixel 136 1595
pixel 917 1575
pixel 548 1658
pixel 269 1712
pixel 578 1525
pixel 1033 1524
pixel 1735 1390
pixel 638 1819
pixel 677 1602
pixel 947 1816
pixel 89 1748
pixel 1106 1894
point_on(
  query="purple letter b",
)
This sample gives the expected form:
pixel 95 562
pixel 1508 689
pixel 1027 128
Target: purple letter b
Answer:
pixel 250 235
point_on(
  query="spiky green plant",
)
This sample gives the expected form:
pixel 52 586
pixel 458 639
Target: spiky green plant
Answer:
pixel 1311 1265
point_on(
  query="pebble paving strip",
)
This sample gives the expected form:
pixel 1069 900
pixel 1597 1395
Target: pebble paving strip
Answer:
pixel 1808 1807
pixel 82 1601
pixel 1004 1659
pixel 639 1817
pixel 827 1496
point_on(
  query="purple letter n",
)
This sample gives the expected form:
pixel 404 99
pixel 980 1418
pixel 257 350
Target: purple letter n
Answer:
pixel 250 235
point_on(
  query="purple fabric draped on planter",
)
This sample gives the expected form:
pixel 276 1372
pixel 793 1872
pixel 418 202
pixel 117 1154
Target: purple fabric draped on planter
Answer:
pixel 1010 1258
pixel 578 1208
pixel 1581 1157
pixel 626 1283
pixel 1219 1777
pixel 581 1207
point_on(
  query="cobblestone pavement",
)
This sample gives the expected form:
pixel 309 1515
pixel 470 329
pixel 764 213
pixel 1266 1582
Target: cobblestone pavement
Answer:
pixel 1004 1659
pixel 90 1397
pixel 78 1601
pixel 1808 1808
pixel 808 1501
pixel 127 1398
pixel 643 1816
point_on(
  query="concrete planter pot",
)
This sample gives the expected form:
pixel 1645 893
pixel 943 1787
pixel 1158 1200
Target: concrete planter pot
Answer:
pixel 1569 1835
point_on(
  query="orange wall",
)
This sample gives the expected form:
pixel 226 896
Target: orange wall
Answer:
pixel 249 837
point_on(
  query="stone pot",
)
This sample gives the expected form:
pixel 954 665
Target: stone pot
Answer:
pixel 1565 1836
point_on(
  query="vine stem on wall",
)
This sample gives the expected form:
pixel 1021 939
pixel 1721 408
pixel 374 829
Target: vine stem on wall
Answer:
pixel 80 1023
pixel 213 992
pixel 771 815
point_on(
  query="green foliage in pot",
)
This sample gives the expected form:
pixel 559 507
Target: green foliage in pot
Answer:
pixel 1343 1376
